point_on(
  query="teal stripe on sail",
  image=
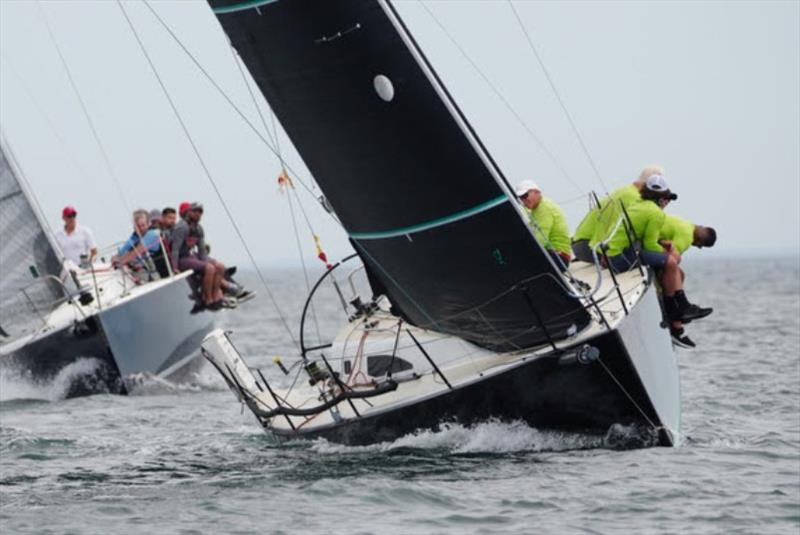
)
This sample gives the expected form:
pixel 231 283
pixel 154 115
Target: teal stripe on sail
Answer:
pixel 241 6
pixel 446 220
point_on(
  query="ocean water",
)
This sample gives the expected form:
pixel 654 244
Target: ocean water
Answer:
pixel 182 457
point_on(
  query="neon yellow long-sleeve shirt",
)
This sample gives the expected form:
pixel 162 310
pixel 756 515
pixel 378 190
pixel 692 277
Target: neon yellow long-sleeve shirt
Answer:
pixel 647 219
pixel 596 222
pixel 550 226
pixel 679 231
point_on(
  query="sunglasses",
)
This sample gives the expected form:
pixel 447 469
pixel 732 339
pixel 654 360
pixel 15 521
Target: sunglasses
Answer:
pixel 71 216
pixel 523 196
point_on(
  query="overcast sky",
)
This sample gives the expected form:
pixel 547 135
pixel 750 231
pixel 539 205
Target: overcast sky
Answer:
pixel 711 90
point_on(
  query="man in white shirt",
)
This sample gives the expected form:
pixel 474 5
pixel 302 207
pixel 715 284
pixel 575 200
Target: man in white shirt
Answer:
pixel 75 240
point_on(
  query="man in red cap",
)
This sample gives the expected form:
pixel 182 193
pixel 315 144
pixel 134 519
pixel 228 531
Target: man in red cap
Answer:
pixel 76 241
pixel 183 208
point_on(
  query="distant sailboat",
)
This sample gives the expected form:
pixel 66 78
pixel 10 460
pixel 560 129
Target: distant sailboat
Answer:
pixel 49 323
pixel 469 318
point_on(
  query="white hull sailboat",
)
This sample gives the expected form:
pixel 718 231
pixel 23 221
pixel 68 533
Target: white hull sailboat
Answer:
pixel 468 317
pixel 98 313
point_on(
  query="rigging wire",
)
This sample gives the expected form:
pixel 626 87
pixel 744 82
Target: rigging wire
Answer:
pixel 235 57
pixel 558 96
pixel 274 137
pixel 303 264
pixel 29 93
pixel 208 173
pixel 542 146
pixel 106 159
pixel 25 185
pixel 230 101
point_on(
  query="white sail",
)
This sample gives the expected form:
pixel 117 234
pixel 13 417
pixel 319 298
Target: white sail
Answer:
pixel 27 257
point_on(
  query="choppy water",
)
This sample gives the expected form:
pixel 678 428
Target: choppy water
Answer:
pixel 183 459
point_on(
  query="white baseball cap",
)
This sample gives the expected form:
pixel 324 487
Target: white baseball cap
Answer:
pixel 525 186
pixel 657 183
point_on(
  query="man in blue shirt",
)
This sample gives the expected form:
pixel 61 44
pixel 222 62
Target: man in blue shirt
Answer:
pixel 143 243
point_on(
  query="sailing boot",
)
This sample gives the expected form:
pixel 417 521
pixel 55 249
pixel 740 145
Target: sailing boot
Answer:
pixel 681 339
pixel 688 311
pixel 671 309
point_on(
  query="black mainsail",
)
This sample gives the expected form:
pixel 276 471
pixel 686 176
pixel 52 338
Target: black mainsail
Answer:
pixel 427 209
pixel 26 254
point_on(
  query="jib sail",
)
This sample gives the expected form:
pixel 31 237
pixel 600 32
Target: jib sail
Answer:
pixel 427 209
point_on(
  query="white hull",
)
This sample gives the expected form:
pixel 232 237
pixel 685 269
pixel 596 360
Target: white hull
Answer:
pixel 130 328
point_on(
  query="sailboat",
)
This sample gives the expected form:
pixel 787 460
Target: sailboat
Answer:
pixel 54 314
pixel 466 317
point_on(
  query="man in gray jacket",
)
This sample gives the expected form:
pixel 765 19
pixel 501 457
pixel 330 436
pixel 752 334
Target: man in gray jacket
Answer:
pixel 188 251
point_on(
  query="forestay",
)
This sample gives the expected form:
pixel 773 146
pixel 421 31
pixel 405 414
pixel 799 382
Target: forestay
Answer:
pixel 26 257
pixel 427 209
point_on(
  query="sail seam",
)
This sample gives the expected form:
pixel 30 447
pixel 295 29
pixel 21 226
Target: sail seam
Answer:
pixel 251 4
pixel 441 221
pixel 11 195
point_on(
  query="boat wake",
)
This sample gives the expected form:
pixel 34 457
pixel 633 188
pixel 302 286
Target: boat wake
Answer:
pixel 198 379
pixel 82 374
pixel 487 437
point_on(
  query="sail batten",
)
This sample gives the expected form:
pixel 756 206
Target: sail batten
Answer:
pixel 429 211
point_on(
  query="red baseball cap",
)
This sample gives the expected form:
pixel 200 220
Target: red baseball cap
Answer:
pixel 68 211
pixel 184 207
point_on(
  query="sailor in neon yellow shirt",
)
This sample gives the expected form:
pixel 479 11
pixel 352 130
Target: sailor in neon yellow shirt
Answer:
pixel 601 220
pixel 547 222
pixel 647 220
pixel 679 234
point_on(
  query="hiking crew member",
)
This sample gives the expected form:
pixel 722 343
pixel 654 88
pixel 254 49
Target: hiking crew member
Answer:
pixel 547 222
pixel 142 246
pixel 647 221
pixel 76 241
pixel 168 219
pixel 189 252
pixel 183 209
pixel 600 221
pixel 677 235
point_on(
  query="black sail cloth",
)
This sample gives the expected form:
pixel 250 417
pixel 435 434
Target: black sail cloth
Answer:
pixel 419 197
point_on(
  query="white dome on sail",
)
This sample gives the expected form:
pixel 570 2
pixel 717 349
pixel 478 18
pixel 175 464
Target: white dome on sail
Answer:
pixel 384 87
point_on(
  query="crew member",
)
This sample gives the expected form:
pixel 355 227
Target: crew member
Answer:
pixel 547 222
pixel 155 219
pixel 76 241
pixel 646 223
pixel 143 246
pixel 599 222
pixel 188 251
pixel 677 235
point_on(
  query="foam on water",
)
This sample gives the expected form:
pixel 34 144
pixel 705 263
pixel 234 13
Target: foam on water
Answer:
pixel 18 384
pixel 487 437
pixel 199 378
